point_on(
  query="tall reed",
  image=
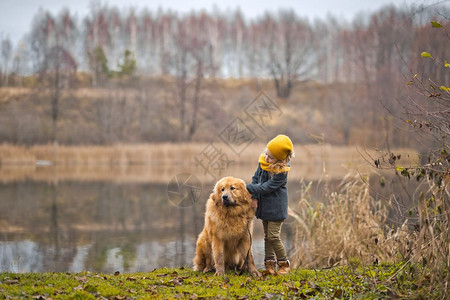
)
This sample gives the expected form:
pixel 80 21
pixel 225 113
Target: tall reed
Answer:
pixel 348 227
pixel 343 226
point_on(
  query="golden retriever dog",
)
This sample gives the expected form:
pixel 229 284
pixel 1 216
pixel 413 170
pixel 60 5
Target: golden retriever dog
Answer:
pixel 225 239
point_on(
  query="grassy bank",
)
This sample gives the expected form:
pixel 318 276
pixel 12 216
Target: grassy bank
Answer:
pixel 385 281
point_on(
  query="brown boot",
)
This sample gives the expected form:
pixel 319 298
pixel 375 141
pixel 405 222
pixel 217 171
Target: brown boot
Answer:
pixel 270 266
pixel 283 267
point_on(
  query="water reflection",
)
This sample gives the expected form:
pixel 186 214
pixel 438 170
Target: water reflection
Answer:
pixel 97 226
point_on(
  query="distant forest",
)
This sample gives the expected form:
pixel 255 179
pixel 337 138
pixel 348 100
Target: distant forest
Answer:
pixel 172 60
pixel 280 44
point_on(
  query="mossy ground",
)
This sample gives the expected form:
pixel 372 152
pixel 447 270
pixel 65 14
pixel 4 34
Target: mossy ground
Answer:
pixel 386 281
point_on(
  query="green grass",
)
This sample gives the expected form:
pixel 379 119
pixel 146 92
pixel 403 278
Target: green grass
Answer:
pixel 384 281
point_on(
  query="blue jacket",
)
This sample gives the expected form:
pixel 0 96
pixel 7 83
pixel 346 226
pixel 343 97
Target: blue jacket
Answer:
pixel 271 192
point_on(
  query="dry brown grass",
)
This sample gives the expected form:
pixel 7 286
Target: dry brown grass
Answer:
pixel 160 162
pixel 431 240
pixel 120 154
pixel 169 153
pixel 11 94
pixel 341 227
pixel 347 227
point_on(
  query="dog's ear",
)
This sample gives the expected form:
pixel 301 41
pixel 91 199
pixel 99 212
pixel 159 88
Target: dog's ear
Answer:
pixel 215 196
pixel 245 193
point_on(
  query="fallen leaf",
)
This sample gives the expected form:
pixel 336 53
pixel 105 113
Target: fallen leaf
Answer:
pixel 337 293
pixel 90 288
pixel 12 281
pixel 82 279
pixel 177 281
pixel 265 273
pixel 193 297
pixel 152 289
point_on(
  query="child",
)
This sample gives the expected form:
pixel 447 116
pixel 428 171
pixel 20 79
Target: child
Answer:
pixel 270 198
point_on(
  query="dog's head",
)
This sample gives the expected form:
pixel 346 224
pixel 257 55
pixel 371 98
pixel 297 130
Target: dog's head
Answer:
pixel 231 192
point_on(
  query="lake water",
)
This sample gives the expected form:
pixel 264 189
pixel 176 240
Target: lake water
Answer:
pixel 105 220
pixel 98 226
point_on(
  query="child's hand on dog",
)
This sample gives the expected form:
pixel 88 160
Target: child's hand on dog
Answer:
pixel 254 203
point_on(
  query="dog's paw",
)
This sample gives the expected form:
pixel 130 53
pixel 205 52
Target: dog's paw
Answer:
pixel 255 273
pixel 197 268
pixel 219 273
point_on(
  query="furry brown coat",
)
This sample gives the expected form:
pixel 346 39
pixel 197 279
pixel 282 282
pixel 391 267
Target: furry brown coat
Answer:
pixel 225 240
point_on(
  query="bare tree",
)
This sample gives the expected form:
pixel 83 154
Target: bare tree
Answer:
pixel 290 50
pixel 216 32
pixel 20 62
pixel 165 35
pixel 132 31
pixel 147 42
pixel 256 56
pixel 190 63
pixel 426 109
pixel 53 61
pixel 236 40
pixel 6 51
pixel 97 41
pixel 68 35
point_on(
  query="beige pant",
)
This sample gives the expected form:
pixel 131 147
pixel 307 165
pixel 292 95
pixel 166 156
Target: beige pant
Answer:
pixel 273 247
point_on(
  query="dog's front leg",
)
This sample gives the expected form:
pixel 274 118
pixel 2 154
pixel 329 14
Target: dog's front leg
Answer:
pixel 250 260
pixel 218 255
pixel 251 266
